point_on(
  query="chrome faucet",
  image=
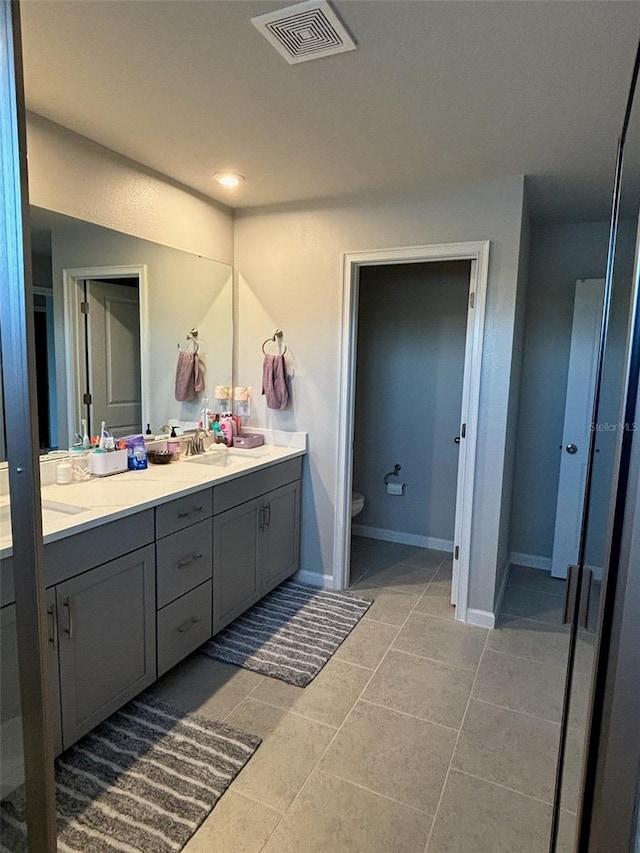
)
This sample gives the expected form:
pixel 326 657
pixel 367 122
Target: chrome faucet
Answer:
pixel 197 440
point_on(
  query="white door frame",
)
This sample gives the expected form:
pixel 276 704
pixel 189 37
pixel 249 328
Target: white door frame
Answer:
pixel 72 295
pixel 478 254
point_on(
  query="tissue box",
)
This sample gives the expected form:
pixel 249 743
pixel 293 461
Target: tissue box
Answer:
pixel 248 439
pixel 104 464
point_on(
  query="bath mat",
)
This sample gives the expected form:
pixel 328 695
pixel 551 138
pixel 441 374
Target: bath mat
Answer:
pixel 291 633
pixel 141 782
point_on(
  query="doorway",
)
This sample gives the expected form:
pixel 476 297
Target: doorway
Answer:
pixel 105 341
pixel 476 254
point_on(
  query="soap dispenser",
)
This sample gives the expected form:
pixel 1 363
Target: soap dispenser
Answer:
pixel 173 443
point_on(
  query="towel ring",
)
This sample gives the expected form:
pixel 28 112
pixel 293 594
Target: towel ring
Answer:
pixel 276 339
pixel 192 336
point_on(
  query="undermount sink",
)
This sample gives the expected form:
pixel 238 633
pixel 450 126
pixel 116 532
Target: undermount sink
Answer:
pixel 222 459
pixel 227 458
pixel 52 511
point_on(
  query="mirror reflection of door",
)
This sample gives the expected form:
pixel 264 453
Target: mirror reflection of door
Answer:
pixel 583 359
pixel 111 311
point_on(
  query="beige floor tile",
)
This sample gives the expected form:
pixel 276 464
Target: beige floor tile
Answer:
pixel 389 606
pixel 532 640
pixel 290 748
pixel 367 643
pixel 392 754
pixel 509 748
pixel 436 599
pixel 426 557
pixel 206 686
pixel 529 604
pixel 428 689
pixel 572 770
pixel 333 816
pixel 522 685
pixel 236 825
pixel 478 817
pixel 328 698
pixel 442 639
pixel 537 580
pixel 400 576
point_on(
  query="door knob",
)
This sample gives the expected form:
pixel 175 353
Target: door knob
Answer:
pixel 571 448
pixel 457 439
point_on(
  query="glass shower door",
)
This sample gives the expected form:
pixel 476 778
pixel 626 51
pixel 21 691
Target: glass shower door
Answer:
pixel 591 584
pixel 26 741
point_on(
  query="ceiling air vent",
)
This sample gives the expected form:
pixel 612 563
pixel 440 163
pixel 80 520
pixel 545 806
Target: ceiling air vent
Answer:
pixel 305 31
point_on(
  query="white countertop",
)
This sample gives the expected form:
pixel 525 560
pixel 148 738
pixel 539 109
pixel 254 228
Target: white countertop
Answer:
pixel 108 498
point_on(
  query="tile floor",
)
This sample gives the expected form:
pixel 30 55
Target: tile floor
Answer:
pixel 421 734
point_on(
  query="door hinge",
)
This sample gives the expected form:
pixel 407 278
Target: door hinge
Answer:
pixel 463 431
pixel 86 399
pixel 472 300
pixel 84 307
pixel 456 552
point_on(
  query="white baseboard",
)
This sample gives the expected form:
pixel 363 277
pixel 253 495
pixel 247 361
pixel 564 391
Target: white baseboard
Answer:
pixel 531 561
pixel 403 538
pixel 482 618
pixel 314 579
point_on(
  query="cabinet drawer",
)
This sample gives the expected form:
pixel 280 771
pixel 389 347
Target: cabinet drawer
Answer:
pixel 183 625
pixel 184 560
pixel 183 512
pixel 249 486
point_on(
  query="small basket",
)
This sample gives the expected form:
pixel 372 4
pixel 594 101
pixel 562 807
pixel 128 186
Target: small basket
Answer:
pixel 160 457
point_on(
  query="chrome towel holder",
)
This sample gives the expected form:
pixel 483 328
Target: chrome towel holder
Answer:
pixel 193 337
pixel 277 337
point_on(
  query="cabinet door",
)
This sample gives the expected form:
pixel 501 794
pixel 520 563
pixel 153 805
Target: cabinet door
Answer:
pixel 281 535
pixel 107 640
pixel 236 580
pixel 12 765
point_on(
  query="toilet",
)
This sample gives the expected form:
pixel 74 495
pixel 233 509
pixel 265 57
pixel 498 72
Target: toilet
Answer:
pixel 357 503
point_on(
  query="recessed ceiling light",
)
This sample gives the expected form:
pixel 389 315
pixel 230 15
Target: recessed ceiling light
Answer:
pixel 228 179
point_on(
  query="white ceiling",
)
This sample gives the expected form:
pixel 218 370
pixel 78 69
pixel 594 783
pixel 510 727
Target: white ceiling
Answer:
pixel 437 93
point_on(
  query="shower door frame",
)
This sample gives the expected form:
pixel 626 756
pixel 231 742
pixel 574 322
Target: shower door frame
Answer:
pixel 478 254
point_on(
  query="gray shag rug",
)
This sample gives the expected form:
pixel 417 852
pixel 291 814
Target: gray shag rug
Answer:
pixel 291 633
pixel 141 782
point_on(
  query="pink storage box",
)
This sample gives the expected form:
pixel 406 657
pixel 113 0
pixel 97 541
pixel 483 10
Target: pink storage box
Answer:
pixel 248 439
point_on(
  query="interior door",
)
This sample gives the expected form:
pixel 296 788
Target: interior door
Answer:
pixel 583 359
pixel 113 357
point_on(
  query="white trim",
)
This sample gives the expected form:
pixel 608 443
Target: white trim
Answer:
pixel 482 618
pixel 531 561
pixel 478 254
pixel 71 279
pixel 314 579
pixel 403 538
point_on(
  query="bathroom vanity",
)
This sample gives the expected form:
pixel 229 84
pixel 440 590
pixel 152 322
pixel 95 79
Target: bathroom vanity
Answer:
pixel 134 588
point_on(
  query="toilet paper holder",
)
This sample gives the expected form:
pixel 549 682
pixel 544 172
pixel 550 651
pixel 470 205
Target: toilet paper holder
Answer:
pixel 394 473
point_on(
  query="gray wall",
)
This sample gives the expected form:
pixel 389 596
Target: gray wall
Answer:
pixel 289 267
pixel 410 362
pixel 511 444
pixel 559 255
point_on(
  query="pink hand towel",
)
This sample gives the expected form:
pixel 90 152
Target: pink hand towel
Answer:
pixel 274 381
pixel 189 377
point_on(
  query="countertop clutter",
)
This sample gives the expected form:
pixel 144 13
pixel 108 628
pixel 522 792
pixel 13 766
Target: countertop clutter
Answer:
pixel 78 506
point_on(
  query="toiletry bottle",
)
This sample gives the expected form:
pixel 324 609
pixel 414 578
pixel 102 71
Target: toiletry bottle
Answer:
pixel 173 444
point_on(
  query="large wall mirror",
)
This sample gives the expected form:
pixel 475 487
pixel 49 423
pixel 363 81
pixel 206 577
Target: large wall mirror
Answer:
pixel 110 311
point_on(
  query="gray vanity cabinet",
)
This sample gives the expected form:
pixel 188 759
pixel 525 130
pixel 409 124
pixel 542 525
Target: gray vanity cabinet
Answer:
pixel 280 535
pixel 11 767
pixel 236 562
pixel 184 562
pixel 106 639
pixel 256 542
